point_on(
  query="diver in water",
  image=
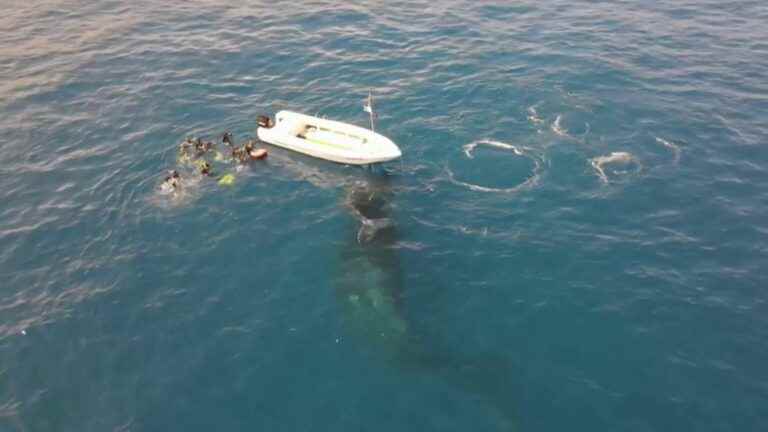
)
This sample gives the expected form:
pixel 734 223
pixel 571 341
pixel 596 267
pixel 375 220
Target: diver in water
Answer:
pixel 241 154
pixel 172 182
pixel 205 168
pixel 253 152
pixel 227 139
pixel 245 153
pixel 186 146
pixel 202 147
pixel 248 152
pixel 238 154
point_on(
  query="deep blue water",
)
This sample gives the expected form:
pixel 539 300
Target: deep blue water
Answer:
pixel 576 238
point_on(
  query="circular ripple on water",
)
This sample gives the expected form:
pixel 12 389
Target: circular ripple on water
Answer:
pixel 506 168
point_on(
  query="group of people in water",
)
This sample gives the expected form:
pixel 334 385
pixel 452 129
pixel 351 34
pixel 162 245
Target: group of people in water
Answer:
pixel 194 151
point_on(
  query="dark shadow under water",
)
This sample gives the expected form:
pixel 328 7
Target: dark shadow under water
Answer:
pixel 370 286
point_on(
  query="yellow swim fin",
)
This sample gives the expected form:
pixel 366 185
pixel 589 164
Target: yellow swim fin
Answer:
pixel 227 180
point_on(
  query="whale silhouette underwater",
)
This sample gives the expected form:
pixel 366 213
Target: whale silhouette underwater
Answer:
pixel 370 287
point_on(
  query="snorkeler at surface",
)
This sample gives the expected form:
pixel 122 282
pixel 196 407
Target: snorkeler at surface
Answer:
pixel 202 147
pixel 253 153
pixel 172 182
pixel 245 153
pixel 237 154
pixel 186 145
pixel 248 152
pixel 227 138
pixel 205 168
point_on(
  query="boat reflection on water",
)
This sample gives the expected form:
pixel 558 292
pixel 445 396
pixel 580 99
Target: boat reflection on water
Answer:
pixel 370 285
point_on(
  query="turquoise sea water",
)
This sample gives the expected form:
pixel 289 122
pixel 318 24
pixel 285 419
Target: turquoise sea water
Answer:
pixel 576 238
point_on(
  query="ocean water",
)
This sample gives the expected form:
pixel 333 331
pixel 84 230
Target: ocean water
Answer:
pixel 576 237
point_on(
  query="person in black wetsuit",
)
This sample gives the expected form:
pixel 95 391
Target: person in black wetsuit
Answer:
pixel 202 147
pixel 173 180
pixel 205 168
pixel 227 139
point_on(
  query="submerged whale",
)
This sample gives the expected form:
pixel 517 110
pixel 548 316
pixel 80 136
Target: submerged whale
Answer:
pixel 370 286
pixel 370 282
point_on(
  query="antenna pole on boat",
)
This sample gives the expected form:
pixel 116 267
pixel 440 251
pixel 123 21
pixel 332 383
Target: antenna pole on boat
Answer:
pixel 368 107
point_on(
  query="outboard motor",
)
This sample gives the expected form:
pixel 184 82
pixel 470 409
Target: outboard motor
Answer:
pixel 265 121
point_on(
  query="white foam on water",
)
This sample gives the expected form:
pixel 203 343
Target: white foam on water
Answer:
pixel 674 148
pixel 599 164
pixel 533 116
pixel 166 189
pixel 558 128
pixel 518 151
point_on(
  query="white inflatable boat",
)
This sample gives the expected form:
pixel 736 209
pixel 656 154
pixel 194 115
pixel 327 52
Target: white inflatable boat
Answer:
pixel 327 139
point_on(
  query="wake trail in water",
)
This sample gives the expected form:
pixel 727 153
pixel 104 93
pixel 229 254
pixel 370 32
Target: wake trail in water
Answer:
pixel 674 148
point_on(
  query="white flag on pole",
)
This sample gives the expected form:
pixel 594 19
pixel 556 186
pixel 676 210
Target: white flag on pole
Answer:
pixel 367 105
